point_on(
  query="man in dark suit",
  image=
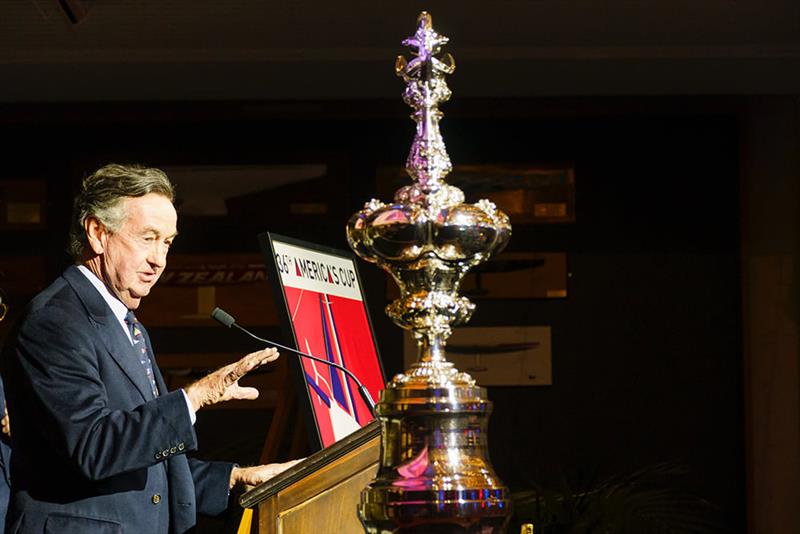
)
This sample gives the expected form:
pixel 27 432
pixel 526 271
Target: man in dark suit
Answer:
pixel 99 442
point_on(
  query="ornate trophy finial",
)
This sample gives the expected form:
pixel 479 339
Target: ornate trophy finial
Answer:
pixel 428 162
pixel 428 238
pixel 434 457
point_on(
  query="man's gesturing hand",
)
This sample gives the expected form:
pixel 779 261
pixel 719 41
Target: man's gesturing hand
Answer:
pixel 223 384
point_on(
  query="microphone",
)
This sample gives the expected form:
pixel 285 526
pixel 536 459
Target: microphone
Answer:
pixel 226 319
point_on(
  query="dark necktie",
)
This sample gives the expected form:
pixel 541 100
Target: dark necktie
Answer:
pixel 140 347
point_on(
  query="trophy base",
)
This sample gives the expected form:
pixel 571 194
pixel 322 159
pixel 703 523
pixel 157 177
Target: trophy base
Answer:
pixel 435 475
pixel 488 516
pixel 483 527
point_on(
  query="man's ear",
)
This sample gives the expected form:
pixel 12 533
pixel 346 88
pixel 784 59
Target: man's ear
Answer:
pixel 96 234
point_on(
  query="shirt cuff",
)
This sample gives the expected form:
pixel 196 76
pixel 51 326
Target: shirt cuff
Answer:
pixel 192 415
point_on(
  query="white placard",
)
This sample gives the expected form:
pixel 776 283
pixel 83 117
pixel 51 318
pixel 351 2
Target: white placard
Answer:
pixel 324 273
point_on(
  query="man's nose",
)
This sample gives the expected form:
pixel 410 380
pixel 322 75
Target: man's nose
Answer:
pixel 158 255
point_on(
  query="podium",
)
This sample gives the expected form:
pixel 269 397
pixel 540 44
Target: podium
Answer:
pixel 319 494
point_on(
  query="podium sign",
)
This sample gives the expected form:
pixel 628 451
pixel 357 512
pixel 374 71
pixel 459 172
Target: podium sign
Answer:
pixel 319 295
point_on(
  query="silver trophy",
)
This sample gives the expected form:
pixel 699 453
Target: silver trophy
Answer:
pixel 434 475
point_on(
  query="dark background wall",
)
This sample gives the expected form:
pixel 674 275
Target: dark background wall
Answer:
pixel 647 347
pixel 679 338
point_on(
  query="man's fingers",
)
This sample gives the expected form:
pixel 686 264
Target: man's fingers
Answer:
pixel 252 476
pixel 275 469
pixel 290 463
pixel 222 384
pixel 243 393
pixel 272 355
pixel 264 356
pixel 251 361
pixel 254 359
pixel 234 371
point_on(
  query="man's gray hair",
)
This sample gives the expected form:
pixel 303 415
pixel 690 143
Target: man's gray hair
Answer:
pixel 103 194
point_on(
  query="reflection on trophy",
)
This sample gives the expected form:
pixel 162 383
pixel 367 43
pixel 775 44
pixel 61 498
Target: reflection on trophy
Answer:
pixel 434 473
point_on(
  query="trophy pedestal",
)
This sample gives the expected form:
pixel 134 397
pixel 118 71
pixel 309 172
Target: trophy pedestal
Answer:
pixel 434 474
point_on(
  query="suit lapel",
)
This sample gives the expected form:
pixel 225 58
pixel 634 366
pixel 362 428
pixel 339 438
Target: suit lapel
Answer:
pixel 109 331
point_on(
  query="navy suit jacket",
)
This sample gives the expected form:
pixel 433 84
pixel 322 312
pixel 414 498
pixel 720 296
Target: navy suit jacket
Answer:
pixel 94 451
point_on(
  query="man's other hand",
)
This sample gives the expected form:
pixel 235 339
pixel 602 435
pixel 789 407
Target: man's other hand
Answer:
pixel 223 384
pixel 253 476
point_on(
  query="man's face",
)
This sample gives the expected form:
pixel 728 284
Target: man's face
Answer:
pixel 132 259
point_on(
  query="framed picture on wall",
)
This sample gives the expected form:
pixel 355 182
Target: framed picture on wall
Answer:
pixel 321 302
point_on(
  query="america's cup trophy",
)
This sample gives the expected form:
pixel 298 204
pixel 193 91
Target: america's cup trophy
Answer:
pixel 434 474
